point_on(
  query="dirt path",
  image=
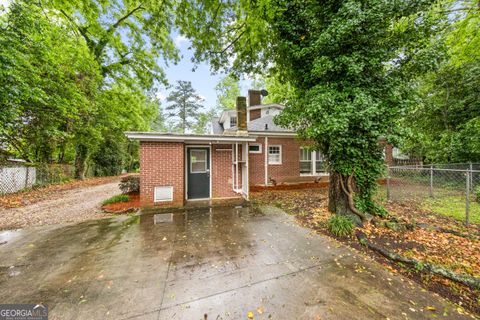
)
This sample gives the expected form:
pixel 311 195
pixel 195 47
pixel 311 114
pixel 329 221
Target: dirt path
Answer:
pixel 71 206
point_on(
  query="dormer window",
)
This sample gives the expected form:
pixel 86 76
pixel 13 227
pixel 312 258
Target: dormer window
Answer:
pixel 233 121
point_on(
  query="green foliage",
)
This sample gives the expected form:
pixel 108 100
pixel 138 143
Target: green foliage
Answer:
pixel 443 127
pixel 477 194
pixel 76 74
pixel 340 226
pixel 184 105
pixel 116 199
pixel 130 184
pixel 369 206
pixel 110 158
pixel 227 90
pixel 348 91
pixel 351 66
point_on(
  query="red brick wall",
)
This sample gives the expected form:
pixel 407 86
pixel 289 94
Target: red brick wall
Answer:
pixel 290 167
pixel 222 172
pixel 162 164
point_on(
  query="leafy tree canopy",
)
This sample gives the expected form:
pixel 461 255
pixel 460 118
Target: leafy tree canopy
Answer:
pixel 227 89
pixel 445 126
pixel 351 66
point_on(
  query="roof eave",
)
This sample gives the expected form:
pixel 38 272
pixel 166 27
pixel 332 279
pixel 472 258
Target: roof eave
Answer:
pixel 151 136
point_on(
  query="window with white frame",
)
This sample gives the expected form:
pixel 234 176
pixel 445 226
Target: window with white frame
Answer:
pixel 306 165
pixel 275 154
pixel 255 148
pixel 233 121
pixel 319 162
pixel 311 162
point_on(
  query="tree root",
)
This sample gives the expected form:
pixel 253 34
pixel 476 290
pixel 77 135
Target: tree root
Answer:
pixel 462 278
pixel 351 203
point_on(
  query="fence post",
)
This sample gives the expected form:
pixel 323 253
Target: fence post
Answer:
pixel 431 181
pixel 467 200
pixel 388 183
pixel 471 176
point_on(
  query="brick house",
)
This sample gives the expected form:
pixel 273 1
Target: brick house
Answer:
pixel 245 148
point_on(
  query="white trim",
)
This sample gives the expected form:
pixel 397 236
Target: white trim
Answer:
pixel 205 161
pixel 224 114
pixel 313 161
pixel 233 168
pixel 274 134
pixel 186 170
pixel 266 161
pixel 280 154
pixel 255 144
pixel 208 138
pixel 247 174
pixel 236 166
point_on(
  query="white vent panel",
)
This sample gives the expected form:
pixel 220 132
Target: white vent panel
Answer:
pixel 163 194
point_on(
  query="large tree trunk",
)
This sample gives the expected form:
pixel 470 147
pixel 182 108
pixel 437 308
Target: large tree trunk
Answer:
pixel 81 154
pixel 340 198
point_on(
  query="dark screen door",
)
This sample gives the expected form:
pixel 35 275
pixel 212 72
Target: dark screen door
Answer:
pixel 198 161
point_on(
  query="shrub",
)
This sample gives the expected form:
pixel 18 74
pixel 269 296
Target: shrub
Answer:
pixel 116 199
pixel 340 226
pixel 130 184
pixel 477 193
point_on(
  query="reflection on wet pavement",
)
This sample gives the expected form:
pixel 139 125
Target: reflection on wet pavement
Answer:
pixel 222 262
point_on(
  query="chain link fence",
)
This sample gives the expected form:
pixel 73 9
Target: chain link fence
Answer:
pixel 446 189
pixel 17 176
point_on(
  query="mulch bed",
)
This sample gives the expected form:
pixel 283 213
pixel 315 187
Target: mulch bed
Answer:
pixel 132 204
pixel 459 254
pixel 23 198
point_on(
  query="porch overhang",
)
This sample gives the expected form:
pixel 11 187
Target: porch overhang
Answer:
pixel 189 138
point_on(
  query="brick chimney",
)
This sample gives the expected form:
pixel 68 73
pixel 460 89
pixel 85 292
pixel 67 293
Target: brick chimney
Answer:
pixel 254 97
pixel 242 114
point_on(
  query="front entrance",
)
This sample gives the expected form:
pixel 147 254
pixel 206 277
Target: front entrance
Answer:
pixel 198 173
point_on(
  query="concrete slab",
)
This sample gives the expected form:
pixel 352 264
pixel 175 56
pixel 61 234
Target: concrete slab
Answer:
pixel 222 262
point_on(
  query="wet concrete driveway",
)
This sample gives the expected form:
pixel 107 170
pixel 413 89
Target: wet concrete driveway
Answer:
pixel 217 263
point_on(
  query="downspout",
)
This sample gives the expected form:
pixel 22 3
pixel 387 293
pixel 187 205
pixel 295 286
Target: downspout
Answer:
pixel 236 168
pixel 233 169
pixel 266 161
pixel 247 174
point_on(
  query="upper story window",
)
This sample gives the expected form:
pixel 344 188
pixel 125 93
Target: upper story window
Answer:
pixel 275 154
pixel 233 121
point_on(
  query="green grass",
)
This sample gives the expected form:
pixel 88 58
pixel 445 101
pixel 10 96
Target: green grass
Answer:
pixel 340 226
pixel 115 199
pixel 453 206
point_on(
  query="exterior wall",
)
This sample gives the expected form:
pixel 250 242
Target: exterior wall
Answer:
pixel 162 164
pixel 269 112
pixel 288 170
pixel 222 172
pixel 255 114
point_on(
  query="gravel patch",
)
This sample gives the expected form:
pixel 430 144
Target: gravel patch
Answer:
pixel 72 206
